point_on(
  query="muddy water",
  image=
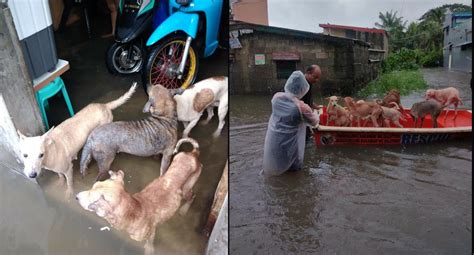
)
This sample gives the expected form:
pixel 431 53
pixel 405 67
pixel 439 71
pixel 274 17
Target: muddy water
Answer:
pixel 351 200
pixel 35 219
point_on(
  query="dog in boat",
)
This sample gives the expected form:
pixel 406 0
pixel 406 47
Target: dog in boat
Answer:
pixel 364 110
pixel 339 114
pixel 447 96
pixel 421 109
pixel 140 213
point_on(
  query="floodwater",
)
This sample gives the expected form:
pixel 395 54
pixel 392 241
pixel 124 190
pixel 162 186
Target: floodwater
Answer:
pixel 35 218
pixel 351 200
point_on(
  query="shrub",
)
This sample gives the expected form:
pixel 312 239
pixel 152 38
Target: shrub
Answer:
pixel 432 58
pixel 404 81
pixel 404 59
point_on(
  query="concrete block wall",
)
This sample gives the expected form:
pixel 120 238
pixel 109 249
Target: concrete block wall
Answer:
pixel 18 107
pixel 344 64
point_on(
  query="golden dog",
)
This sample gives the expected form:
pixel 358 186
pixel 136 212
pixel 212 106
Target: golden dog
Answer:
pixel 139 214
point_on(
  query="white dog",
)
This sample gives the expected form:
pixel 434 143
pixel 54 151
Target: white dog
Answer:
pixel 204 95
pixel 56 149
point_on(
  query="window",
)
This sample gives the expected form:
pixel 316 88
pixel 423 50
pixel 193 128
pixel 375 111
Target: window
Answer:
pixel 351 34
pixel 284 68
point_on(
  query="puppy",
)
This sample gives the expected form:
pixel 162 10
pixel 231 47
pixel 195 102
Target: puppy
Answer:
pixel 56 149
pixel 392 96
pixel 139 214
pixel 364 109
pixel 392 114
pixel 447 96
pixel 204 95
pixel 421 109
pixel 337 113
pixel 154 135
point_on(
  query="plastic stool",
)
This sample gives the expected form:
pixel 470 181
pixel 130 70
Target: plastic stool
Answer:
pixel 49 91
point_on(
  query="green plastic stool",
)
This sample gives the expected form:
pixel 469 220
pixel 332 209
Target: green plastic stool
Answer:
pixel 49 91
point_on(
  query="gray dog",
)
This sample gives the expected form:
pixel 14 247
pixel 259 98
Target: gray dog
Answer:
pixel 421 109
pixel 154 135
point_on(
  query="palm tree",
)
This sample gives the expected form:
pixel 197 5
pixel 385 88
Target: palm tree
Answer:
pixel 394 26
pixel 390 21
pixel 437 13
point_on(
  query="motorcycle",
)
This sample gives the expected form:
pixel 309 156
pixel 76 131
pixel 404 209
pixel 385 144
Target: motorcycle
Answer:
pixel 189 32
pixel 136 19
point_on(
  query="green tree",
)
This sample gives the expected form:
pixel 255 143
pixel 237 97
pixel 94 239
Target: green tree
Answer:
pixel 390 21
pixel 394 25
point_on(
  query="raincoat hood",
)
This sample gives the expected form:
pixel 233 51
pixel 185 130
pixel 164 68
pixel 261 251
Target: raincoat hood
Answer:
pixel 297 84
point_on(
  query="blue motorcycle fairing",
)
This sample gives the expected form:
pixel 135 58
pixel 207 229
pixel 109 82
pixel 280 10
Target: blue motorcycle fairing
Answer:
pixel 178 21
pixel 212 10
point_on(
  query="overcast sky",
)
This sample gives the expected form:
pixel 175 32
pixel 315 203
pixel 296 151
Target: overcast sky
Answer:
pixel 308 14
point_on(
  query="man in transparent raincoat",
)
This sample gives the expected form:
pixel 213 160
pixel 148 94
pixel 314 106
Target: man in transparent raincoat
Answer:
pixel 285 138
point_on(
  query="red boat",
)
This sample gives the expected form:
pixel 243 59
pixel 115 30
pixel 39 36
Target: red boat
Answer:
pixel 459 128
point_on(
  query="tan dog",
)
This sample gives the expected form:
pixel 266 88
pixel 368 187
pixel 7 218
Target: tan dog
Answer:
pixel 56 149
pixel 392 96
pixel 392 114
pixel 447 96
pixel 364 109
pixel 335 112
pixel 139 214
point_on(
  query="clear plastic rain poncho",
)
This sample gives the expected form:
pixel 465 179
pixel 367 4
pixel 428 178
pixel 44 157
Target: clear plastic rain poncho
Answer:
pixel 286 133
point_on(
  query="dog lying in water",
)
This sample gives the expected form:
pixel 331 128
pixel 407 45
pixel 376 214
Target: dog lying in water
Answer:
pixel 56 149
pixel 140 213
pixel 154 135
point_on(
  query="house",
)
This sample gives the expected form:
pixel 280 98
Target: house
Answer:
pixel 457 43
pixel 262 58
pixel 376 38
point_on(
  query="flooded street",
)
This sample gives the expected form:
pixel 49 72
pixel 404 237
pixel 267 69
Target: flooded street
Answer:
pixel 358 200
pixel 35 219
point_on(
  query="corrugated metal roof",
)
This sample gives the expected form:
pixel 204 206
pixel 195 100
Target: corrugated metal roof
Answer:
pixel 464 43
pixel 462 15
pixel 361 29
pixel 291 32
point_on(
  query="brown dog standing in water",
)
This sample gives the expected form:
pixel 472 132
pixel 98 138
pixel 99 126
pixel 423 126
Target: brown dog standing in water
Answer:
pixel 138 214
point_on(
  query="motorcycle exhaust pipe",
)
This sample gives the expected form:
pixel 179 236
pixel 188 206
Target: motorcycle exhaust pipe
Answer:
pixel 185 57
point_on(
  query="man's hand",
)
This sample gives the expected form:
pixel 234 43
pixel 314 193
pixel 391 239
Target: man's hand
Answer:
pixel 317 107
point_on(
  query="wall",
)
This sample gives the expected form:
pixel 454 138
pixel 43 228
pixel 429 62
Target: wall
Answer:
pixel 461 56
pixel 344 63
pixel 16 89
pixel 251 11
pixel 377 40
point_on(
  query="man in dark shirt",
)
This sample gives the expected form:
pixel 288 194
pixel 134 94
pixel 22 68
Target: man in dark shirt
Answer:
pixel 312 75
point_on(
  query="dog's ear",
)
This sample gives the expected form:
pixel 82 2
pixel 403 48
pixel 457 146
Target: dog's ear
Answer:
pixel 47 136
pixel 22 137
pixel 101 207
pixel 327 98
pixel 177 91
pixel 116 175
pixel 147 106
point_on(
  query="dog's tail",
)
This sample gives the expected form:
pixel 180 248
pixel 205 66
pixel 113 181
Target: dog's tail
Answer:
pixel 121 100
pixel 193 142
pixel 85 157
